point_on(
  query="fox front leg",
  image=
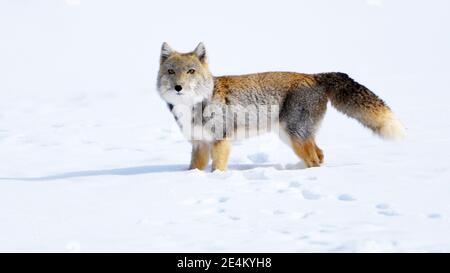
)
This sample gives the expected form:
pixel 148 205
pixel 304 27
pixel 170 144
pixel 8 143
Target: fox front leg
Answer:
pixel 220 152
pixel 200 155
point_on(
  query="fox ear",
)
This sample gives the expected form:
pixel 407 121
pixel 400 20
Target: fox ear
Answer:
pixel 166 51
pixel 200 52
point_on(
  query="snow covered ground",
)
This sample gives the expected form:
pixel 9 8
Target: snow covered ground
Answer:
pixel 91 159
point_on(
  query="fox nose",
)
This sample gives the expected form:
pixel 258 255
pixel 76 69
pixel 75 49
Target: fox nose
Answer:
pixel 178 88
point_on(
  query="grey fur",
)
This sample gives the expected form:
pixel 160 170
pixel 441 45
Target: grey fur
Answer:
pixel 303 111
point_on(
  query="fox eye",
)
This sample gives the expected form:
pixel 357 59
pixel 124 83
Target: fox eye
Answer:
pixel 171 71
pixel 191 71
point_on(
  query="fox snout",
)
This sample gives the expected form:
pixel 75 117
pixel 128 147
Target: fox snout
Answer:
pixel 178 88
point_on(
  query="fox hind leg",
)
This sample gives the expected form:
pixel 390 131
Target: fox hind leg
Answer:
pixel 300 118
pixel 308 151
pixel 319 153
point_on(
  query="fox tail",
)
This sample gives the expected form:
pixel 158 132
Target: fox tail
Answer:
pixel 358 102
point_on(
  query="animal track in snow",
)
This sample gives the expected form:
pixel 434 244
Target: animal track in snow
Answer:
pixel 434 216
pixel 389 213
pixel 294 184
pixel 209 211
pixel 206 201
pixel 255 175
pixel 310 195
pixel 382 206
pixel 221 210
pixel 346 197
pixel 278 212
pixel 258 158
pixel 385 209
pixel 214 200
pixel 223 199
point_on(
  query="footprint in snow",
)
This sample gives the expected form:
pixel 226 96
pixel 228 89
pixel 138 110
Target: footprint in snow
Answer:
pixel 258 158
pixel 255 175
pixel 382 206
pixel 297 166
pixel 310 195
pixel 57 125
pixel 434 216
pixel 300 215
pixel 214 200
pixel 388 213
pixel 206 201
pixel 272 212
pixel 385 209
pixel 346 197
pixel 223 199
pixel 210 211
pixel 294 184
pixel 278 212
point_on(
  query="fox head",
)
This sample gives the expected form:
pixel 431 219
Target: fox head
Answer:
pixel 184 78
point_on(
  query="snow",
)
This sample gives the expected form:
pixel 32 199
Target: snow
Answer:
pixel 92 160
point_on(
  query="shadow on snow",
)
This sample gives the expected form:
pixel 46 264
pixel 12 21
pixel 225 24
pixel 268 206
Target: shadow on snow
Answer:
pixel 136 170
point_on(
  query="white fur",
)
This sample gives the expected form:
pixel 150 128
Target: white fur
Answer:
pixel 185 97
pixel 189 129
pixel 392 129
pixel 190 95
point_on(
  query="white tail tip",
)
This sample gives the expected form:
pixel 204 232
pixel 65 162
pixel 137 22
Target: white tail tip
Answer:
pixel 392 129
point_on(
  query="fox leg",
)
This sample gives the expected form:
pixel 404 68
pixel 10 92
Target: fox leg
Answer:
pixel 308 151
pixel 220 152
pixel 200 155
pixel 319 153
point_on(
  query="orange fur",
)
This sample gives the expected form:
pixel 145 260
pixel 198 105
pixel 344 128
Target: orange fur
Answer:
pixel 308 151
pixel 220 152
pixel 319 153
pixel 282 81
pixel 200 156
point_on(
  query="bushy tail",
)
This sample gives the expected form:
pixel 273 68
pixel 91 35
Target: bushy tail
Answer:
pixel 358 102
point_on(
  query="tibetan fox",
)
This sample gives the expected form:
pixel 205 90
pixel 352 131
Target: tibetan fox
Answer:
pixel 212 111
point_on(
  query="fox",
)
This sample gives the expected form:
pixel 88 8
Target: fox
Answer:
pixel 206 107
